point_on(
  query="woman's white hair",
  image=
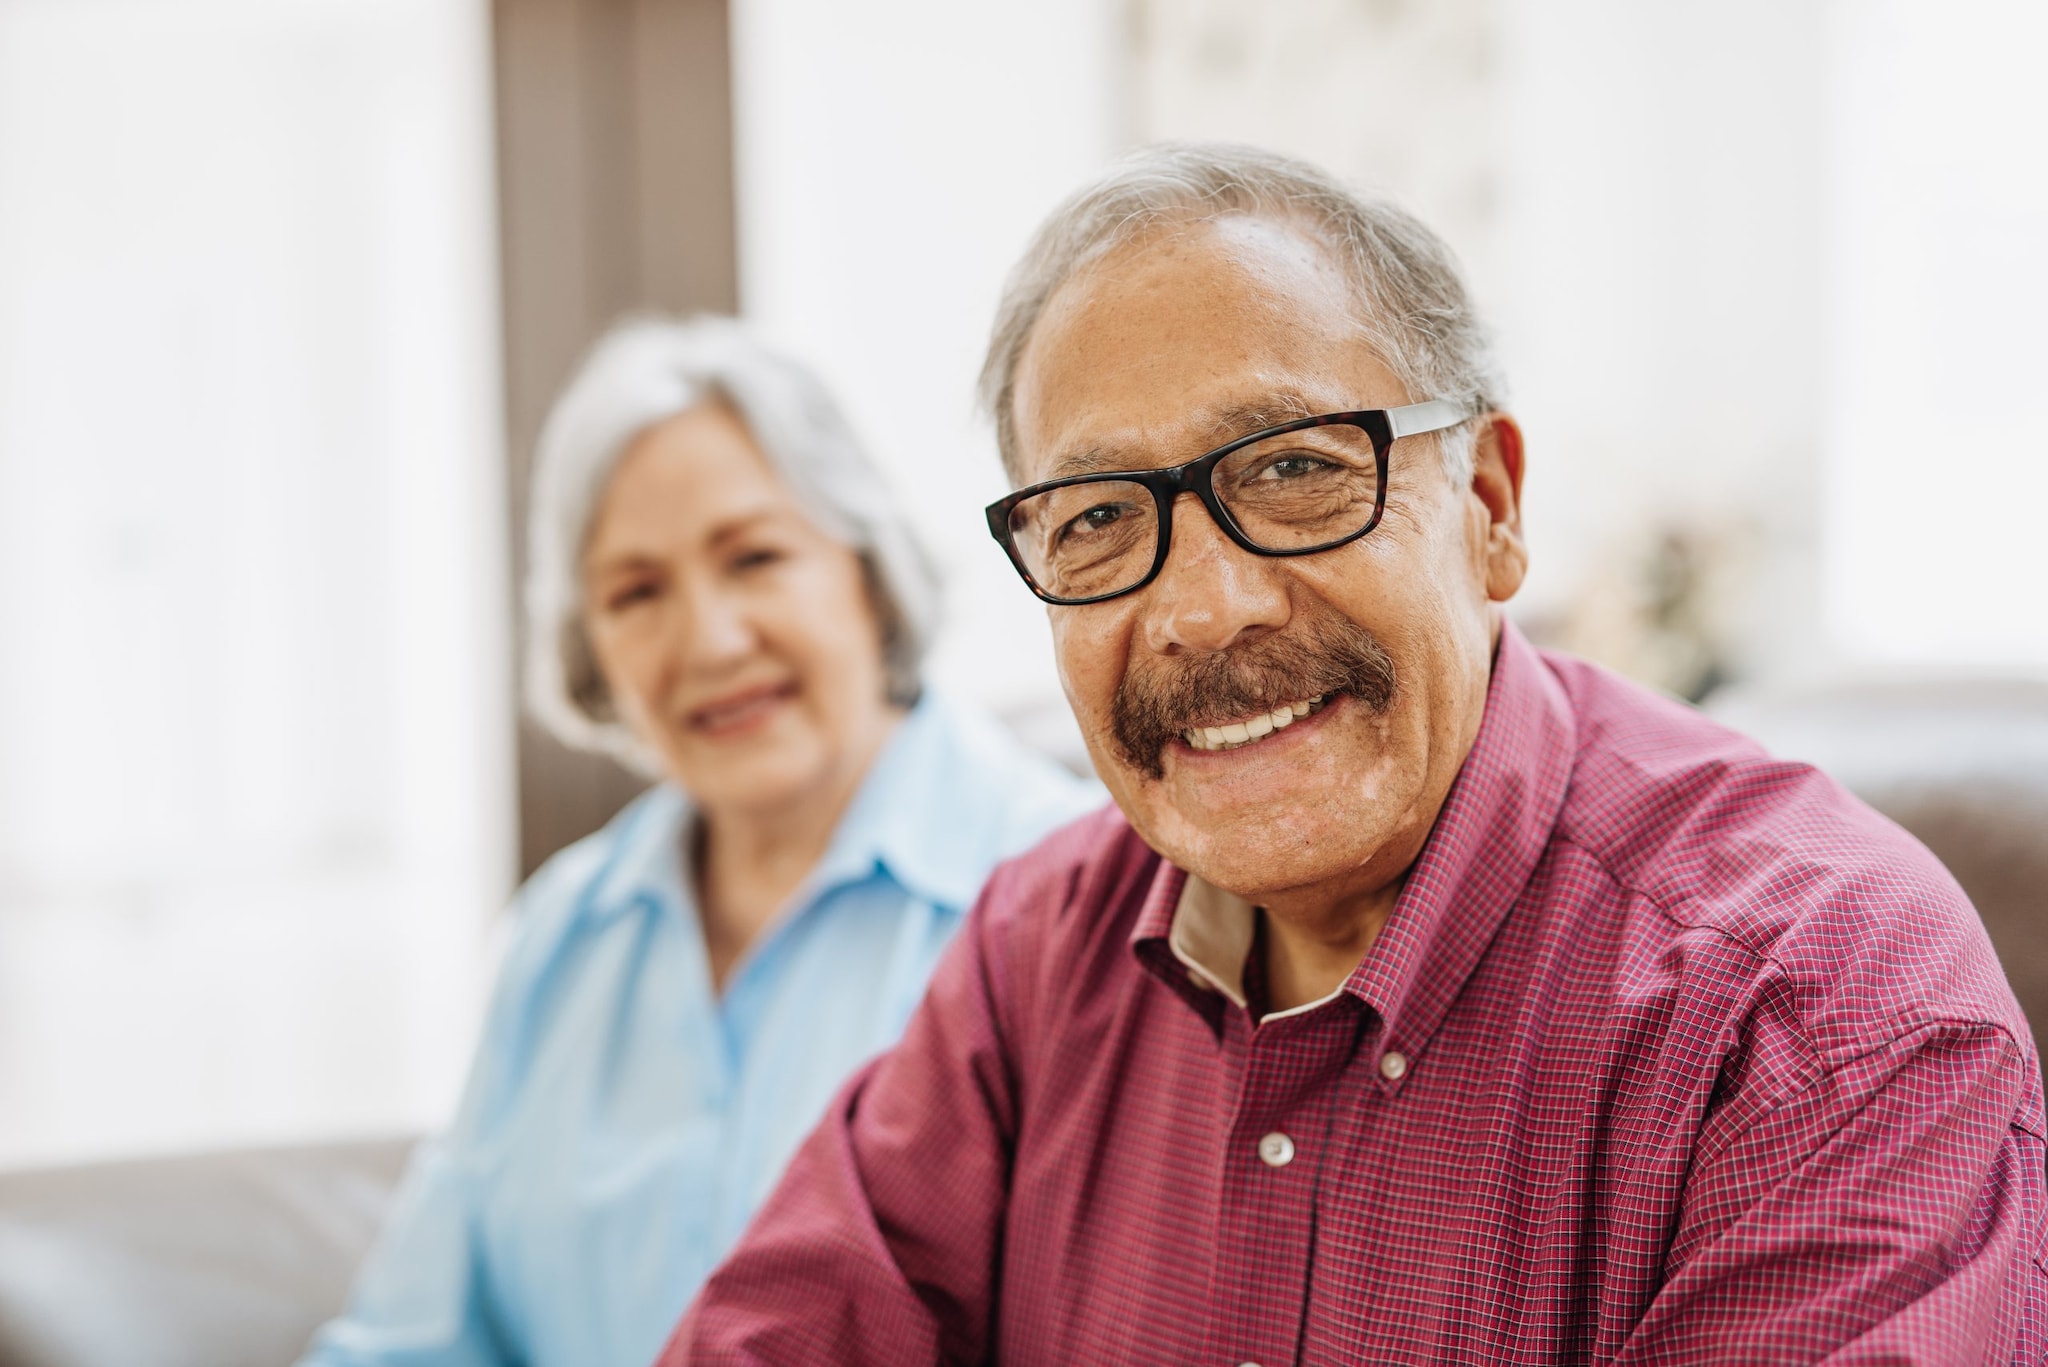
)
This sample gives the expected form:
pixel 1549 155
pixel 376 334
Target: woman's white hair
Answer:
pixel 1414 309
pixel 648 369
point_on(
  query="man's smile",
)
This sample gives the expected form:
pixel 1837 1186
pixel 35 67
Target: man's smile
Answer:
pixel 1251 729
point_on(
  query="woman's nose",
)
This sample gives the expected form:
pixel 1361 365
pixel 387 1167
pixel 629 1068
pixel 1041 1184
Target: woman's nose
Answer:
pixel 710 628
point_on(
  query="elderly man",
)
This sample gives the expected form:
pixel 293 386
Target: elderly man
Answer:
pixel 1424 998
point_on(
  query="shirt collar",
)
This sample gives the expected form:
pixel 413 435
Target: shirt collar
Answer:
pixel 912 818
pixel 647 858
pixel 1492 830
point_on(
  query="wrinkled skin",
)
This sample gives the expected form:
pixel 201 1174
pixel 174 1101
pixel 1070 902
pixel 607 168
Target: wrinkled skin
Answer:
pixel 1134 360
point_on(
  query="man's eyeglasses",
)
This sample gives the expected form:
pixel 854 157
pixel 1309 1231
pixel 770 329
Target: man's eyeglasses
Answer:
pixel 1302 487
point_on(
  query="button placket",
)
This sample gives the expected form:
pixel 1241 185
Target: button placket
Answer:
pixel 1287 1085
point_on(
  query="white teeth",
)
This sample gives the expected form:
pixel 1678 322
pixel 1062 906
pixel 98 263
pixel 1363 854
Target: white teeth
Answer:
pixel 1253 728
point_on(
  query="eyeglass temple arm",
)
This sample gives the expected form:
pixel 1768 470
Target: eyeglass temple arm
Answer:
pixel 1433 416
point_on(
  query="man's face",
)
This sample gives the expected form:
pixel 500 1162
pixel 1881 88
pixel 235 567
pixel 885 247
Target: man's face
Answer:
pixel 1157 353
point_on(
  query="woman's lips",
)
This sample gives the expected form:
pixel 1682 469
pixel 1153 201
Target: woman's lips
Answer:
pixel 737 713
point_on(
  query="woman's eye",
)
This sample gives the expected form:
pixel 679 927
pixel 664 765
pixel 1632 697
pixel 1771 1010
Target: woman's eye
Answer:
pixel 631 595
pixel 755 559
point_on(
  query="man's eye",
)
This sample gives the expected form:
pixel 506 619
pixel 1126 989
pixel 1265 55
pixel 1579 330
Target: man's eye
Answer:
pixel 1089 521
pixel 1292 467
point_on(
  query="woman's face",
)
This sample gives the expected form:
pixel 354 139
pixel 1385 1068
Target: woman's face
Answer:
pixel 737 639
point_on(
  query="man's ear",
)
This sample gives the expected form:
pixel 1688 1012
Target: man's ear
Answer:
pixel 1497 485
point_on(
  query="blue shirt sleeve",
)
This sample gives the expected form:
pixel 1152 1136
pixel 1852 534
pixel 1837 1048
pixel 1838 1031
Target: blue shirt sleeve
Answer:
pixel 623 1118
pixel 422 1299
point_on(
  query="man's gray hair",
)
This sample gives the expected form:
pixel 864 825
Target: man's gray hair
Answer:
pixel 1414 308
pixel 648 369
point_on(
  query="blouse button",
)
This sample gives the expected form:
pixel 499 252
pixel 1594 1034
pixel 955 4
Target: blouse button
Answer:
pixel 1276 1150
pixel 1393 1066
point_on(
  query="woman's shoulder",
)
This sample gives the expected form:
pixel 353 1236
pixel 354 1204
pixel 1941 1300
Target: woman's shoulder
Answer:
pixel 612 852
pixel 971 785
pixel 575 894
pixel 613 865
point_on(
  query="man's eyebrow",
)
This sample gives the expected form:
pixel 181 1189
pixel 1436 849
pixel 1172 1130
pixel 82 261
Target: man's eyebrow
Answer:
pixel 1226 424
pixel 1272 409
pixel 1096 459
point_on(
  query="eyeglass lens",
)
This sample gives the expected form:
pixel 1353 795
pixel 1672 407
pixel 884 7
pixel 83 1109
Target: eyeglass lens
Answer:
pixel 1289 492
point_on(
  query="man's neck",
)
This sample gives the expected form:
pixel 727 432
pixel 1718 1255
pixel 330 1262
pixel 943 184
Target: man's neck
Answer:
pixel 1311 948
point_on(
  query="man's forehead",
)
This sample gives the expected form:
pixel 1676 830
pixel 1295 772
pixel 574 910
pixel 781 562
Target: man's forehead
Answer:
pixel 1197 335
pixel 1187 419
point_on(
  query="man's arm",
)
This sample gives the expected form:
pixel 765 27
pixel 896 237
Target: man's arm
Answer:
pixel 880 1244
pixel 1892 1211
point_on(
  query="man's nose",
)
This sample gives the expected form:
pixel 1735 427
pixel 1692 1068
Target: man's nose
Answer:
pixel 1212 594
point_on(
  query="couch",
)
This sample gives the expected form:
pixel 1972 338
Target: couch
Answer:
pixel 216 1260
pixel 230 1259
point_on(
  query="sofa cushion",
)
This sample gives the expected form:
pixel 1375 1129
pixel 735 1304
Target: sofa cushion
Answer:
pixel 216 1260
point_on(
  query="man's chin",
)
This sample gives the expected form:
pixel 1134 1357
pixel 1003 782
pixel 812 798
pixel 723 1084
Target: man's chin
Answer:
pixel 1256 851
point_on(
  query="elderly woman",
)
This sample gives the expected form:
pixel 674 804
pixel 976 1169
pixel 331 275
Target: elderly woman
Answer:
pixel 721 594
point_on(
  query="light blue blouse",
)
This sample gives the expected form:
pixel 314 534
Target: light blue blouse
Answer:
pixel 621 1120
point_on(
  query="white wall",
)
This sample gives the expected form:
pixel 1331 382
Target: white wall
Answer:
pixel 1938 283
pixel 254 803
pixel 1662 225
pixel 1753 264
pixel 893 158
pixel 1635 191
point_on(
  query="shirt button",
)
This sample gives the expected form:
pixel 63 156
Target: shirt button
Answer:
pixel 1393 1066
pixel 1276 1150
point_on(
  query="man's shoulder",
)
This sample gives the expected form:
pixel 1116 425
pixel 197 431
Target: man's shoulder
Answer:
pixel 1073 896
pixel 1089 863
pixel 1825 898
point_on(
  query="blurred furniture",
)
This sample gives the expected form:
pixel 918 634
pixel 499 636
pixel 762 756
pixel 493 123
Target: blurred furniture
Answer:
pixel 1963 765
pixel 219 1260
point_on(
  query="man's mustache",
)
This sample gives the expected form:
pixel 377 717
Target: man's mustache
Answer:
pixel 1327 655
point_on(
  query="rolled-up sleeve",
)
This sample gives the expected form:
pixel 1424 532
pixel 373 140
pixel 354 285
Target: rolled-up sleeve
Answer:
pixel 880 1244
pixel 1889 1211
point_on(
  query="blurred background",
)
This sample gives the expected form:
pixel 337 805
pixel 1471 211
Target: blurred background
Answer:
pixel 286 286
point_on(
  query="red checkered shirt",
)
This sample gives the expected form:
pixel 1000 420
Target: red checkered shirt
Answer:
pixel 1669 1053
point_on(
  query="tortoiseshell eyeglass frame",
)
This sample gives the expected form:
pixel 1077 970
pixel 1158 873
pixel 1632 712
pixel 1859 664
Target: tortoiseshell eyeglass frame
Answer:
pixel 1383 426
